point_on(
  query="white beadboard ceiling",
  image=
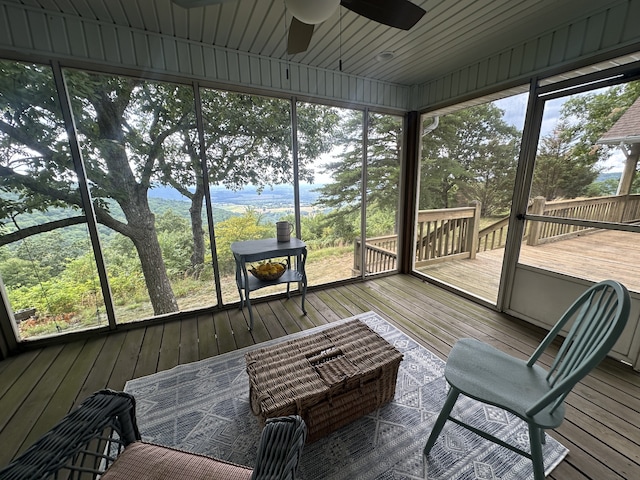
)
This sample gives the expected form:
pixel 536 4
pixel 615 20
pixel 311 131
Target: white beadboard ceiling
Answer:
pixel 453 33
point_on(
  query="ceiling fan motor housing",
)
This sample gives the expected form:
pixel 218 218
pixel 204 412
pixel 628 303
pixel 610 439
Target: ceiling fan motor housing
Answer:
pixel 312 12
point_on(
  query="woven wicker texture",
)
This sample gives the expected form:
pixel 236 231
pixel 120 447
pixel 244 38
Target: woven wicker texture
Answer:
pixel 280 449
pixel 144 461
pixel 205 407
pixel 91 439
pixel 330 378
pixel 87 440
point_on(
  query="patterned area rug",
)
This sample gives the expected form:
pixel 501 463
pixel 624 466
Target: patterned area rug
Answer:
pixel 204 407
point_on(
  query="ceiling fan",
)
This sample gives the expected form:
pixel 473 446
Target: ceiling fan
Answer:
pixel 307 14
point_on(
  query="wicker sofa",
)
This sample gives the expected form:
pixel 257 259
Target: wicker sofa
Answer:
pixel 100 440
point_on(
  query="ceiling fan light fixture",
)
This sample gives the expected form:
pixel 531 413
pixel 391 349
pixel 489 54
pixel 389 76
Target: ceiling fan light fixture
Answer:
pixel 312 12
pixel 385 56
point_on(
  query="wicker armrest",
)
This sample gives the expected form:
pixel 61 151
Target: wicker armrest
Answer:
pixel 86 440
pixel 280 448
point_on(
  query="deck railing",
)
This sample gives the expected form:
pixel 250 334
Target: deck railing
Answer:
pixel 619 208
pixel 441 234
pixel 444 234
pixel 494 236
pixel 447 233
pixel 381 254
pixel 622 208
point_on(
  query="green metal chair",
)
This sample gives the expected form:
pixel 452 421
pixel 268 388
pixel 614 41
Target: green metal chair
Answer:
pixel 522 387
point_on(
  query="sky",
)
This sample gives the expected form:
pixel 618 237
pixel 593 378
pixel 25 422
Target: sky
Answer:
pixel 515 108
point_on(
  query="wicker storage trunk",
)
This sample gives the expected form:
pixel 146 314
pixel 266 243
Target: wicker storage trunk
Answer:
pixel 329 378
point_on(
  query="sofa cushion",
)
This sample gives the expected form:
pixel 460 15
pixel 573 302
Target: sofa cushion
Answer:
pixel 145 461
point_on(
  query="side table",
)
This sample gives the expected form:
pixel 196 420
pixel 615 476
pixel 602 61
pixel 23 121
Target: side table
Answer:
pixel 256 250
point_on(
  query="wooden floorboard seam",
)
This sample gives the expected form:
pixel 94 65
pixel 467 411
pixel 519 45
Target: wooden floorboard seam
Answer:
pixel 601 429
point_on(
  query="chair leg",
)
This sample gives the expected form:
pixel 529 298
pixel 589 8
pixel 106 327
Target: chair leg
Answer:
pixel 442 419
pixel 535 441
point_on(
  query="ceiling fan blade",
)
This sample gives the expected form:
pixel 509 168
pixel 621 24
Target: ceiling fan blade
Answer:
pixel 396 13
pixel 198 3
pixel 299 36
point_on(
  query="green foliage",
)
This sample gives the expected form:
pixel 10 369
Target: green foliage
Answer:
pixel 236 229
pixel 587 117
pixel 559 173
pixel 343 197
pixel 128 289
pixel 318 231
pixel 176 247
pixel 49 297
pixel 42 256
pixel 381 222
pixel 176 243
pixel 76 288
pixel 51 249
pixel 635 187
pixel 137 134
pixel 569 158
pixel 328 254
pixel 344 225
pixel 470 155
pixel 120 256
pixel 343 194
pixel 384 157
pixel 17 272
pixel 602 189
pixel 317 127
pixel 29 106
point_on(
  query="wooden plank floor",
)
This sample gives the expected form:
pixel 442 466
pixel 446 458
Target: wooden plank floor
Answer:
pixel 597 256
pixel 602 429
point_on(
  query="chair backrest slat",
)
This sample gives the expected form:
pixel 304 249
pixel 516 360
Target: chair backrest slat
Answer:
pixel 573 333
pixel 598 318
pixel 589 328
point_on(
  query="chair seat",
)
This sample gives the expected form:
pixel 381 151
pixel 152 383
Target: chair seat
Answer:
pixel 477 370
pixel 146 461
pixel 486 374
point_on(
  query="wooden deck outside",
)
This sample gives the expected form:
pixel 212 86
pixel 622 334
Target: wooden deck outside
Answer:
pixel 596 256
pixel 602 429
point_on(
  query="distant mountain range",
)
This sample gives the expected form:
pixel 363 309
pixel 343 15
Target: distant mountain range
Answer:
pixel 608 176
pixel 277 195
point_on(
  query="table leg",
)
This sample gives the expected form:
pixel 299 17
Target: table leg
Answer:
pixel 288 283
pixel 304 292
pixel 243 277
pixel 250 309
pixel 239 280
pixel 303 260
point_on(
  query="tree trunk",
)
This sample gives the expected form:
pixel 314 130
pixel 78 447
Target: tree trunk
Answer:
pixel 195 211
pixel 155 274
pixel 123 186
pixel 140 229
